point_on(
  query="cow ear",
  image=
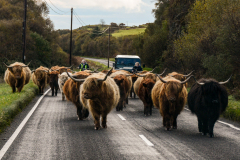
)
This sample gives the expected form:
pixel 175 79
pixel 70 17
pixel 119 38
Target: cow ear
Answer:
pixel 144 84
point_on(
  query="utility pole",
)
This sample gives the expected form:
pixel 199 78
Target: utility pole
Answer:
pixel 24 31
pixel 70 57
pixel 108 44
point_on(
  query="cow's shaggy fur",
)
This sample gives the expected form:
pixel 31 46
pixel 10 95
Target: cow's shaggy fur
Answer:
pixel 17 76
pixel 61 81
pixel 40 78
pixel 145 90
pixel 170 98
pixel 207 101
pixel 71 89
pixel 123 84
pixel 100 97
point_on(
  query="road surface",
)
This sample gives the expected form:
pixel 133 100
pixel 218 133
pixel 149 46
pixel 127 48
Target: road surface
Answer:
pixel 53 132
pixel 103 61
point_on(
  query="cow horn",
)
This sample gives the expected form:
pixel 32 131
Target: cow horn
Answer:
pixel 109 72
pixel 33 71
pixel 139 75
pixel 162 72
pixel 153 69
pixel 225 81
pixel 188 74
pixel 27 64
pixel 198 82
pixel 70 66
pixel 187 79
pixel 7 66
pixel 129 74
pixel 74 79
pixel 161 79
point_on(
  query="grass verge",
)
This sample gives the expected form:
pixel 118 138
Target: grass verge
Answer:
pixel 13 103
pixel 233 110
pixel 97 65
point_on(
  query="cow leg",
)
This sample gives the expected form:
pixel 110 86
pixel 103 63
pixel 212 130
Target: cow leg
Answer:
pixel 79 112
pixel 104 121
pixel 175 121
pixel 63 96
pixel 150 108
pixel 56 90
pixel 20 88
pixel 13 89
pixel 167 122
pixel 127 100
pixel 205 127
pixel 52 88
pixel 134 94
pixel 200 125
pixel 39 89
pixel 131 92
pixel 97 121
pixel 85 113
pixel 211 126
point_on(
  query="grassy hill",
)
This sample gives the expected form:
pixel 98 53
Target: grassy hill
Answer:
pixel 121 33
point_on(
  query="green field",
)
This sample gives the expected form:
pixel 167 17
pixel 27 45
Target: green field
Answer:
pixel 121 33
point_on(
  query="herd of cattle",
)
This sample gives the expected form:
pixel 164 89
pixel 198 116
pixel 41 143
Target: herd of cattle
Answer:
pixel 100 92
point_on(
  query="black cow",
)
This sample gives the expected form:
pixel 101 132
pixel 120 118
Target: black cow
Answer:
pixel 207 99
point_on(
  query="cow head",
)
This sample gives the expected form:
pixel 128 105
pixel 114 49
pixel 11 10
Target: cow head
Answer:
pixel 53 76
pixel 40 74
pixel 210 90
pixel 151 75
pixel 148 85
pixel 17 70
pixel 62 79
pixel 173 88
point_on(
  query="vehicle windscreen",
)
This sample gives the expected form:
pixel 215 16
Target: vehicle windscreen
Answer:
pixel 126 62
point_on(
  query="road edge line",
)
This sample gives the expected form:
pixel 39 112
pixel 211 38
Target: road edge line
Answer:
pixel 122 118
pixel 18 130
pixel 146 140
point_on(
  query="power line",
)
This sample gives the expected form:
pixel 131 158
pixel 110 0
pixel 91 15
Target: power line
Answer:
pixel 79 17
pixel 58 8
pixel 52 9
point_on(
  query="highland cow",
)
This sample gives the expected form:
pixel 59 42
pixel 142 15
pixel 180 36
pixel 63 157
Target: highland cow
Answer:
pixel 170 96
pixel 61 81
pixel 207 99
pixel 40 78
pixel 17 75
pixel 53 75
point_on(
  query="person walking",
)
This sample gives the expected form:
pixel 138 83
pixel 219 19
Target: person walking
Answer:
pixel 83 66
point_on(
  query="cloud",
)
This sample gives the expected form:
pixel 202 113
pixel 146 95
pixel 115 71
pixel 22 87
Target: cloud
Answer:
pixel 128 5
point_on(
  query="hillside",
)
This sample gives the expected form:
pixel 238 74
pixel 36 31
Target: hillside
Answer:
pixel 121 33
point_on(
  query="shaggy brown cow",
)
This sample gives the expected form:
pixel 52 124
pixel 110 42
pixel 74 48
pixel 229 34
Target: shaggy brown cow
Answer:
pixel 134 78
pixel 71 91
pixel 126 73
pixel 170 96
pixel 100 94
pixel 53 75
pixel 40 78
pixel 17 75
pixel 61 69
pixel 145 76
pixel 145 89
pixel 123 84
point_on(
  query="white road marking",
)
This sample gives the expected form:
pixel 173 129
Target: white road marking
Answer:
pixel 18 130
pixel 122 118
pixel 146 140
pixel 230 125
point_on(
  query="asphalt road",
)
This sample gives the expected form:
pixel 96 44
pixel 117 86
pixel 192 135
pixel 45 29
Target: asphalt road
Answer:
pixel 53 132
pixel 105 62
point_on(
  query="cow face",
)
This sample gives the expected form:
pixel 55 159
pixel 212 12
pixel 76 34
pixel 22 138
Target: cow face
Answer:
pixel 53 77
pixel 148 86
pixel 151 76
pixel 93 89
pixel 40 75
pixel 63 79
pixel 210 93
pixel 16 71
pixel 172 90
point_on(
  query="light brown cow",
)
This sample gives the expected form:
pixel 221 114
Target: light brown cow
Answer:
pixel 170 96
pixel 100 94
pixel 61 81
pixel 180 76
pixel 71 89
pixel 40 78
pixel 17 75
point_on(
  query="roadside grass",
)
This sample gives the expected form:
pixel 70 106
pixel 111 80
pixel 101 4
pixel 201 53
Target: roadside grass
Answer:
pixel 233 110
pixel 13 103
pixel 121 33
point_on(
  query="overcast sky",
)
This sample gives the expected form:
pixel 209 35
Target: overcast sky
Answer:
pixel 131 12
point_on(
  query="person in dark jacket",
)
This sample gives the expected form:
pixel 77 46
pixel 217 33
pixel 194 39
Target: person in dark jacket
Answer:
pixel 83 66
pixel 137 67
